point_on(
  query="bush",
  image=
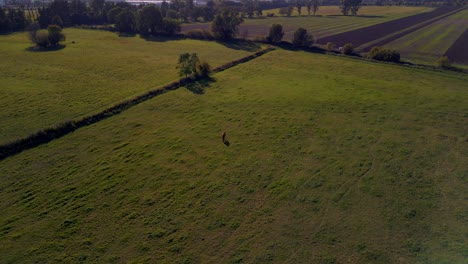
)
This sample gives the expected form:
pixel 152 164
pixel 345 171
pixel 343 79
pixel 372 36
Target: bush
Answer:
pixel 330 46
pixel 302 39
pixel 49 38
pixel 276 33
pixel 55 35
pixel 381 54
pixel 347 49
pixel 42 39
pixel 444 62
pixel 202 69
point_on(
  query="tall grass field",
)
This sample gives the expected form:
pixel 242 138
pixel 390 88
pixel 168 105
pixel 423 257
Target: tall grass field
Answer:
pixel 95 70
pixel 331 160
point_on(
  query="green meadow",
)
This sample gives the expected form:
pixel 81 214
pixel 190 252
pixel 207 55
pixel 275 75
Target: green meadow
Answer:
pixel 95 70
pixel 331 160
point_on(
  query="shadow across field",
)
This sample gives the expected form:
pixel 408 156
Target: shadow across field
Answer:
pixel 241 45
pixel 199 86
pixel 163 38
pixel 38 49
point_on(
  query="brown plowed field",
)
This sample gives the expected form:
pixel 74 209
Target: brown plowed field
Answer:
pixel 458 52
pixel 365 35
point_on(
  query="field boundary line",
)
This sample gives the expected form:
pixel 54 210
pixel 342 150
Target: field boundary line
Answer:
pixel 48 134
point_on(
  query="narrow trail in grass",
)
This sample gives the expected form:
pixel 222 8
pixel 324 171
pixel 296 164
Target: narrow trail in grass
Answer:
pixel 46 135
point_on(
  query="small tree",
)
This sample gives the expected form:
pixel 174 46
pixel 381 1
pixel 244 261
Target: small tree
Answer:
pixel 187 64
pixel 308 5
pixel 202 69
pixel 347 49
pixel 315 6
pixel 299 5
pixel 276 33
pixel 55 35
pixel 330 46
pixel 443 62
pixel 42 39
pixel 302 39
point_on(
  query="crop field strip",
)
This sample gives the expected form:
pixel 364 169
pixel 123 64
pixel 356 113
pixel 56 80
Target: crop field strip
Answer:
pixel 365 35
pixel 458 52
pixel 429 43
pixel 319 26
pixel 396 35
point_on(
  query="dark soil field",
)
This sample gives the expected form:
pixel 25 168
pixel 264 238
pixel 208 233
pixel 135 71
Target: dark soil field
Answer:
pixel 365 35
pixel 458 52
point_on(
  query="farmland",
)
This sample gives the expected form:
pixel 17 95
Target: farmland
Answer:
pixel 328 22
pixel 387 30
pixel 428 43
pixel 326 165
pixel 458 52
pixel 41 89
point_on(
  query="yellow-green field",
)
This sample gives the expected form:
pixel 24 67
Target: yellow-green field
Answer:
pixel 41 89
pixel 331 160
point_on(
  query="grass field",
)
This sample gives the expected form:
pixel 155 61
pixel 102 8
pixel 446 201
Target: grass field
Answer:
pixel 327 164
pixel 41 89
pixel 429 43
pixel 321 26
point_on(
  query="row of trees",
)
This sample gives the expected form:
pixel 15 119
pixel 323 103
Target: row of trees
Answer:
pixel 301 38
pixel 148 20
pixel 12 20
pixel 347 6
pixel 312 6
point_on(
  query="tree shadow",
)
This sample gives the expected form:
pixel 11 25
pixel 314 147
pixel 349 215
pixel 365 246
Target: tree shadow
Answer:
pixel 49 49
pixel 199 86
pixel 241 45
pixel 360 16
pixel 153 38
pixel 126 35
pixel 227 143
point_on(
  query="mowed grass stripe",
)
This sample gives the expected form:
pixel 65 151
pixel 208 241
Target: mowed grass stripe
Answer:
pixel 378 160
pixel 42 89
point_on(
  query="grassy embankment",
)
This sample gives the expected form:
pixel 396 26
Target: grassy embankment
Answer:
pixel 331 159
pixel 429 43
pixel 327 22
pixel 41 89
